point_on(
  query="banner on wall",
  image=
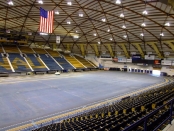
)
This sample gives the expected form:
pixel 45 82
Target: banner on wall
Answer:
pixel 166 62
pixel 58 39
pixel 129 60
pixel 122 59
pixel 149 57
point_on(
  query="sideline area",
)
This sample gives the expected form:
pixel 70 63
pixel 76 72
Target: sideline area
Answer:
pixel 34 97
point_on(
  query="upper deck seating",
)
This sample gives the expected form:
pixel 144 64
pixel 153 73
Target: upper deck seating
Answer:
pixel 84 62
pixel 74 62
pixel 60 60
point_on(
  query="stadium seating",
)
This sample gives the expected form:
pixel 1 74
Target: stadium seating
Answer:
pixel 18 62
pixel 84 62
pixel 60 60
pixel 4 65
pixel 51 64
pixel 74 62
pixel 122 114
pixel 33 61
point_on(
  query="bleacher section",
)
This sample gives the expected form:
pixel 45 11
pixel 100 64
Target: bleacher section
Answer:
pixel 4 65
pixel 74 62
pixel 17 61
pixel 60 60
pixel 84 62
pixel 122 115
pixel 33 61
pixel 51 64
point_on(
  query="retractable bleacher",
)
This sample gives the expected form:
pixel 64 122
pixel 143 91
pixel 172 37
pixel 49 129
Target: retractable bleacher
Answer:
pixel 74 62
pixel 84 62
pixel 4 65
pixel 34 61
pixel 17 60
pixel 60 60
pixel 51 64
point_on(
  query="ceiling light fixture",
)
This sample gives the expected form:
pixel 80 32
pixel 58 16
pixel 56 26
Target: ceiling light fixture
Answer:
pixel 76 31
pixel 57 12
pixel 69 3
pixel 122 15
pixel 40 1
pixel 110 39
pixel 125 36
pixel 95 34
pixel 161 34
pixel 143 24
pixel 108 30
pixel 167 24
pixel 81 15
pixel 124 27
pixel 76 36
pixel 99 42
pixel 141 34
pixel 145 12
pixel 10 2
pixel 104 20
pixel 41 33
pixel 69 22
pixel 118 2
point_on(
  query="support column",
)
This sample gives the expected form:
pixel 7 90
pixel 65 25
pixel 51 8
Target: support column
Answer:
pixel 156 49
pixel 82 49
pixel 110 50
pixel 125 50
pixel 170 44
pixel 96 50
pixel 139 49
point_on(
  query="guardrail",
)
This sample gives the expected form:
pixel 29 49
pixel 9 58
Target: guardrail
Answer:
pixel 144 119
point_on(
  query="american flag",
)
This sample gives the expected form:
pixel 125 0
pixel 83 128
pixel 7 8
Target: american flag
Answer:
pixel 46 21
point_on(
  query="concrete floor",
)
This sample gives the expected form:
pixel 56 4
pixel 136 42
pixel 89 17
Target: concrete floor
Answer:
pixel 30 98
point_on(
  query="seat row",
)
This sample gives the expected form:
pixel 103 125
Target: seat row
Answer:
pixel 24 59
pixel 120 115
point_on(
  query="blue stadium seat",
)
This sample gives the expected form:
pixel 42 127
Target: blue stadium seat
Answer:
pixel 4 66
pixel 18 62
pixel 63 63
pixel 51 64
pixel 35 63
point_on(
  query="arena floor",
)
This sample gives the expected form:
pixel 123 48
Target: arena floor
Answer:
pixel 30 98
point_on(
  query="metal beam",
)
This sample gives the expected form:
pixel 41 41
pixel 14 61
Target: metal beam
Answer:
pixel 96 49
pixel 170 44
pixel 125 50
pixel 82 49
pixel 156 49
pixel 139 48
pixel 110 50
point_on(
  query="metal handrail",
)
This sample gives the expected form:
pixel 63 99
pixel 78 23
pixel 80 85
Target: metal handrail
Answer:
pixel 144 119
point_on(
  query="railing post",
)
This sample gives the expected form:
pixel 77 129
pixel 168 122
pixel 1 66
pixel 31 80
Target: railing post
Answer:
pixel 145 124
pixel 171 111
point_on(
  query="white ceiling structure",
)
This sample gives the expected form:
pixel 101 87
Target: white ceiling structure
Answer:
pixel 93 21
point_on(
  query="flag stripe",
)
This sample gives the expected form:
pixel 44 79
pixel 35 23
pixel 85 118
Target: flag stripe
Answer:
pixel 46 21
